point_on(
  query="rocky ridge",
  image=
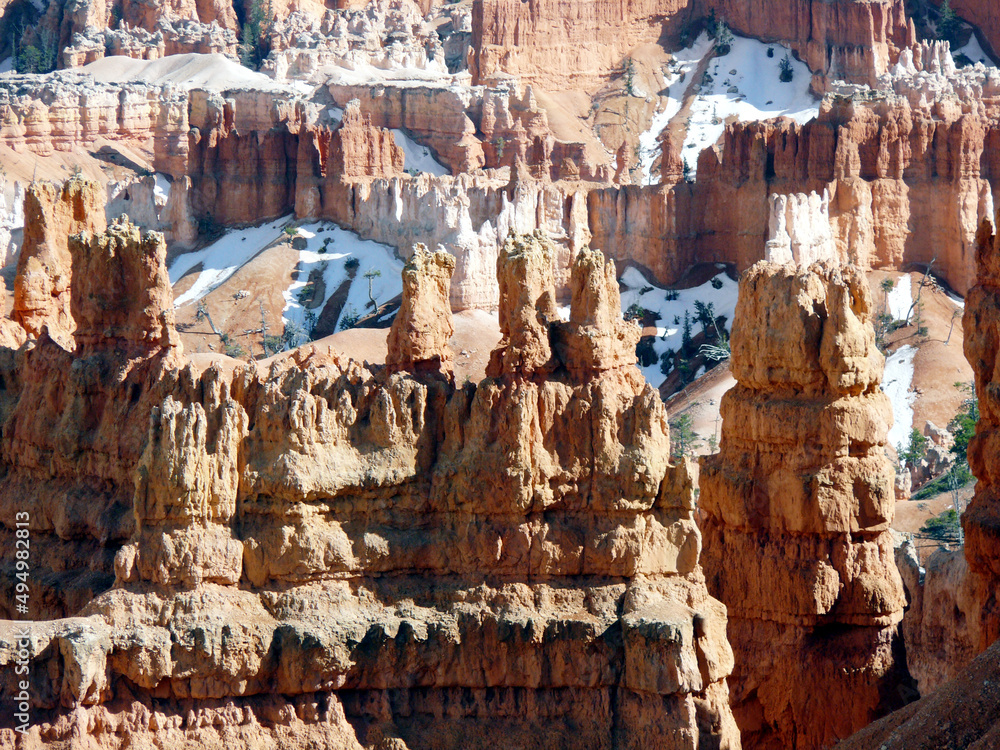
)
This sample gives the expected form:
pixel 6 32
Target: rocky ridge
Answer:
pixel 323 523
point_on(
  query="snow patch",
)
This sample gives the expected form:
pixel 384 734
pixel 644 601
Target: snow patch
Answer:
pixel 328 253
pixel 223 258
pixel 637 290
pixel 896 382
pixel 162 189
pixel 214 72
pixel 901 298
pixel 419 158
pixel 744 83
pixel 974 51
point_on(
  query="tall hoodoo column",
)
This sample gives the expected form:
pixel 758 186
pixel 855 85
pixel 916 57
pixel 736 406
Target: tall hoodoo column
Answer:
pixel 798 503
pixel 981 521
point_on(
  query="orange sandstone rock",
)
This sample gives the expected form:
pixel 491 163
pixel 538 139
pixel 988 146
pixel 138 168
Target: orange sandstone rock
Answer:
pixel 418 339
pixel 44 268
pixel 798 503
pixel 440 565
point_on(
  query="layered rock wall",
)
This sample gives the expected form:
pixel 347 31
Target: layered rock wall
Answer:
pixel 797 505
pixel 905 186
pixel 535 41
pixel 324 553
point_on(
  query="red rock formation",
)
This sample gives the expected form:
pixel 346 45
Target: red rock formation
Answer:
pixel 798 504
pixel 442 565
pixel 44 268
pixel 358 149
pixel 985 16
pixel 121 300
pixel 905 185
pixel 981 520
pixel 558 43
pixel 421 330
pixel 962 713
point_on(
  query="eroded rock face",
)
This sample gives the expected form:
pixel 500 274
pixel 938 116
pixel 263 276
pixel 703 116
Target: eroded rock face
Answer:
pixel 44 268
pixel 981 520
pixel 797 509
pixel 440 565
pixel 421 330
pixel 846 38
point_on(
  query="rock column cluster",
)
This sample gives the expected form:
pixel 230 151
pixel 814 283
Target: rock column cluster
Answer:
pixel 442 565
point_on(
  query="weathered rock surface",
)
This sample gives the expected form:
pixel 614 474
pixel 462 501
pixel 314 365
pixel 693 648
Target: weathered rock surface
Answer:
pixel 421 330
pixel 348 556
pixel 981 520
pixel 846 38
pixel 963 713
pixel 44 268
pixel 797 508
pixel 906 185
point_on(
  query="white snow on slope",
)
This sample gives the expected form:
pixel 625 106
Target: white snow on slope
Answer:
pixel 896 384
pixel 744 83
pixel 328 249
pixel 162 189
pixel 900 298
pixel 974 51
pixel 677 80
pixel 419 158
pixel 223 258
pixel 670 326
pixel 214 72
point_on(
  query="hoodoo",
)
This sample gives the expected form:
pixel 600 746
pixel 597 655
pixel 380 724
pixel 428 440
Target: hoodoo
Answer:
pixel 797 504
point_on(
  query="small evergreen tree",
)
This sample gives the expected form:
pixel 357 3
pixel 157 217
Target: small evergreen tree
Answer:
pixel 787 72
pixel 916 450
pixel 683 439
pixel 255 39
pixel 686 334
pixel 948 25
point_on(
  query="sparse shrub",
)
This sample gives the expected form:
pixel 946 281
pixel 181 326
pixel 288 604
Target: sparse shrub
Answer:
pixel 945 527
pixel 716 283
pixel 306 293
pixel 351 264
pixel 962 60
pixel 963 426
pixel 723 38
pixel 349 318
pixel 673 294
pixel 770 51
pixel 234 350
pixel 645 352
pixel 635 311
pixel 667 361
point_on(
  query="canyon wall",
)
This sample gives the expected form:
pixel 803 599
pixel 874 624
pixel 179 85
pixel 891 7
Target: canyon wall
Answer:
pixel 798 504
pixel 323 553
pixel 905 185
pixel 981 520
pixel 563 43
